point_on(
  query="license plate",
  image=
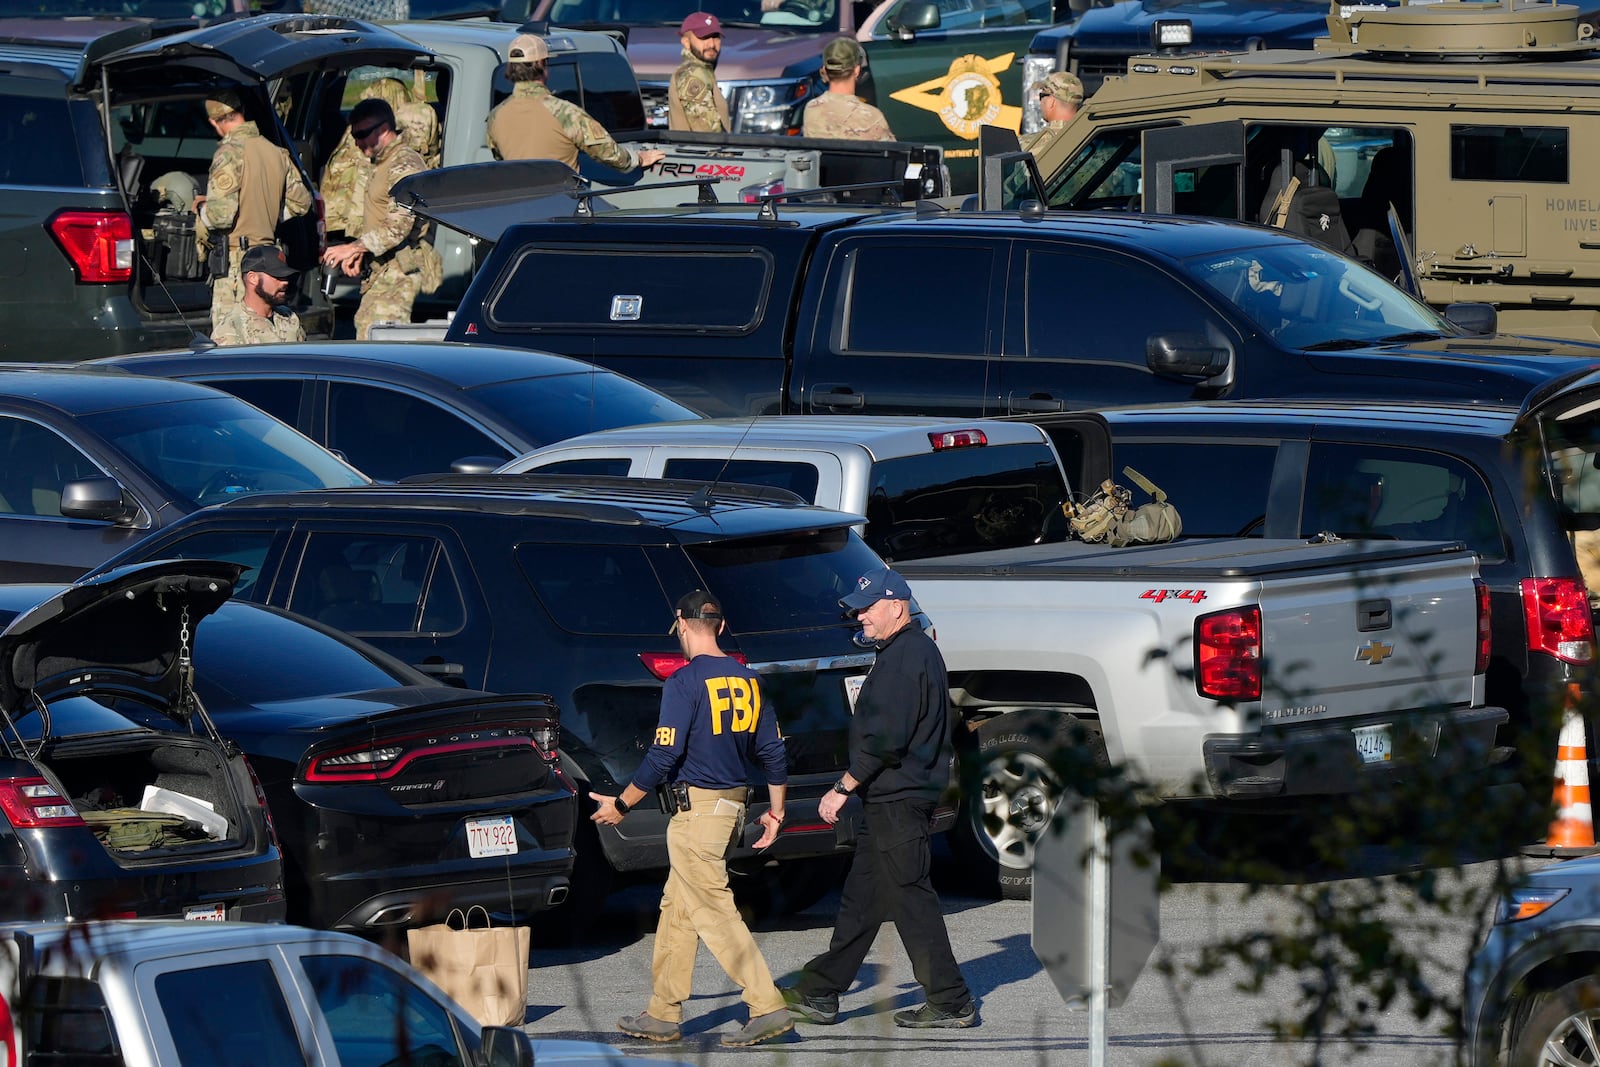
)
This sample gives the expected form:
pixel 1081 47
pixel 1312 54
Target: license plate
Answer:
pixel 206 913
pixel 1372 743
pixel 852 689
pixel 491 837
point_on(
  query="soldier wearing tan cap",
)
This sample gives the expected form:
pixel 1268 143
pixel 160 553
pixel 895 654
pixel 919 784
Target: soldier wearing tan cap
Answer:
pixel 694 102
pixel 839 113
pixel 1060 92
pixel 252 185
pixel 534 123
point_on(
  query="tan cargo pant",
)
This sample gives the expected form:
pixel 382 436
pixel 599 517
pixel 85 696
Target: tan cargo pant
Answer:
pixel 697 905
pixel 227 292
pixel 386 296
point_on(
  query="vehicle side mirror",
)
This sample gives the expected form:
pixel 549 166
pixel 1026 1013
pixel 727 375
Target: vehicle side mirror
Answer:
pixel 505 1046
pixel 915 16
pixel 1185 355
pixel 95 499
pixel 1474 317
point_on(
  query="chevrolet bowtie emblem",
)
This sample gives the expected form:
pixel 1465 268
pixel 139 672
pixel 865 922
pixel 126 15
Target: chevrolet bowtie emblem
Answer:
pixel 1374 652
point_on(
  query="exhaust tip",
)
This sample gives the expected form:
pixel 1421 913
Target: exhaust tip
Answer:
pixel 555 895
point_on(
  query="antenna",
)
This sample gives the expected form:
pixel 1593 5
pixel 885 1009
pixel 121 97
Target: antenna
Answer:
pixel 702 500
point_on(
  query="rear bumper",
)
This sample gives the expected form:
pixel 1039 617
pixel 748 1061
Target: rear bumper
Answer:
pixel 1321 760
pixel 415 905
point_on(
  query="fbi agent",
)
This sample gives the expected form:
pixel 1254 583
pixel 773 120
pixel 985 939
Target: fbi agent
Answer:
pixel 713 729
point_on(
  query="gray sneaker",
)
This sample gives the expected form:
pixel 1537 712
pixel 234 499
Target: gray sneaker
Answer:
pixel 759 1029
pixel 824 1010
pixel 930 1016
pixel 648 1027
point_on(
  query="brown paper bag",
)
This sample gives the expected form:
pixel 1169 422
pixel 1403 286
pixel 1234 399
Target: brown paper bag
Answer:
pixel 484 969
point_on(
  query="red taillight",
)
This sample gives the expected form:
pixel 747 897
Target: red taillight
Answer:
pixel 380 760
pixel 547 739
pixel 1556 611
pixel 33 802
pixel 1481 664
pixel 957 439
pixel 261 798
pixel 1229 654
pixel 99 243
pixel 665 664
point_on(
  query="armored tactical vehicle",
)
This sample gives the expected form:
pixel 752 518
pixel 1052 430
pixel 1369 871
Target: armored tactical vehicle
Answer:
pixel 1456 137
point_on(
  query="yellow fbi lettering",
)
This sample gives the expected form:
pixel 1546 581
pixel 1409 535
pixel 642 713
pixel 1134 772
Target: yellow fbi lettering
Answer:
pixel 735 701
pixel 665 736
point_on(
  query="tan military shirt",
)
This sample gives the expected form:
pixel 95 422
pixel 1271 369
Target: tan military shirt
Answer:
pixel 241 326
pixel 1040 140
pixel 534 123
pixel 845 117
pixel 252 185
pixel 386 226
pixel 694 102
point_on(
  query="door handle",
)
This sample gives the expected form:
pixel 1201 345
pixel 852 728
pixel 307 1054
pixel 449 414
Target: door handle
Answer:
pixel 1373 615
pixel 1035 402
pixel 836 396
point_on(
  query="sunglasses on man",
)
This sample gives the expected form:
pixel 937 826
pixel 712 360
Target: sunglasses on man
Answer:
pixel 366 131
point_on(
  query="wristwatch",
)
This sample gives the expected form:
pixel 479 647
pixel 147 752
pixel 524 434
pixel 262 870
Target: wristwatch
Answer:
pixel 839 787
pixel 622 806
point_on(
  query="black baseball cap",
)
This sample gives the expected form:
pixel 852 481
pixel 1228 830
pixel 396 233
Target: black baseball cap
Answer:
pixel 268 259
pixel 696 605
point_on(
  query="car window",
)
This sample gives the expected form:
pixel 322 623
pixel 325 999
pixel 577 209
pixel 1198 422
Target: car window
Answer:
pixel 246 547
pixel 596 589
pixel 245 1019
pixel 35 462
pixel 37 143
pixel 1509 154
pixel 788 582
pixel 364 583
pixel 886 312
pixel 1403 493
pixel 1056 280
pixel 391 435
pixel 798 477
pixel 643 288
pixel 957 15
pixel 1188 471
pixel 66 1022
pixel 278 397
pixel 566 405
pixel 616 467
pixel 1106 172
pixel 378 1018
pixel 228 674
pixel 965 500
pixel 213 449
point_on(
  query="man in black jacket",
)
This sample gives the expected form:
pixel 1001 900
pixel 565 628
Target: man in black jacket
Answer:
pixel 900 754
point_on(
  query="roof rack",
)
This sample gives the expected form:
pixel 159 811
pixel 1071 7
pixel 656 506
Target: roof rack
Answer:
pixel 583 196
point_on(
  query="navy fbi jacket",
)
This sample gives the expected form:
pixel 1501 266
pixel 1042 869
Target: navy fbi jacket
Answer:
pixel 713 729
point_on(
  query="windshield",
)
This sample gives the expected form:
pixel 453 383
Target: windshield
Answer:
pixel 553 409
pixel 816 16
pixel 205 450
pixel 1306 296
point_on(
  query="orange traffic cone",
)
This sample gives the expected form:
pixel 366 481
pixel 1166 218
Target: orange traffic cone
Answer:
pixel 1572 832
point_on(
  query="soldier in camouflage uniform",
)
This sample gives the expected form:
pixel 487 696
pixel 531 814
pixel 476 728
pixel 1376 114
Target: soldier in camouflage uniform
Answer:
pixel 403 262
pixel 259 318
pixel 252 186
pixel 534 123
pixel 839 113
pixel 693 100
pixel 344 176
pixel 1060 93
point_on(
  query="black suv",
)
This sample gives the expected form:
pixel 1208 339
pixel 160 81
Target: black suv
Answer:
pixel 565 585
pixel 1519 485
pixel 92 112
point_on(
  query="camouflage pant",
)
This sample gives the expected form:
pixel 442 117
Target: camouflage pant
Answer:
pixel 386 296
pixel 228 291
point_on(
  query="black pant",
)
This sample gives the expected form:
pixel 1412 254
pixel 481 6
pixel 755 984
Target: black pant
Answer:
pixel 888 880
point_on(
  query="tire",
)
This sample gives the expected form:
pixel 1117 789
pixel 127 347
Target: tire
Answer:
pixel 1010 785
pixel 1560 1028
pixel 776 889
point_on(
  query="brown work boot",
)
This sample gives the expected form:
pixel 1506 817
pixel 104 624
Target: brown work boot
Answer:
pixel 759 1029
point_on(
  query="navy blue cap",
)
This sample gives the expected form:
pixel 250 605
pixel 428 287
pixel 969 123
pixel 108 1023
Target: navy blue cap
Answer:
pixel 884 583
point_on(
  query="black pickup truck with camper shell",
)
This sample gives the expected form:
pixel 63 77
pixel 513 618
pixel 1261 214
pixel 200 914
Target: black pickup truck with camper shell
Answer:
pixel 786 307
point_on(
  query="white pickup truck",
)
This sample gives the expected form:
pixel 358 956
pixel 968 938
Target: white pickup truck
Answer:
pixel 1233 670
